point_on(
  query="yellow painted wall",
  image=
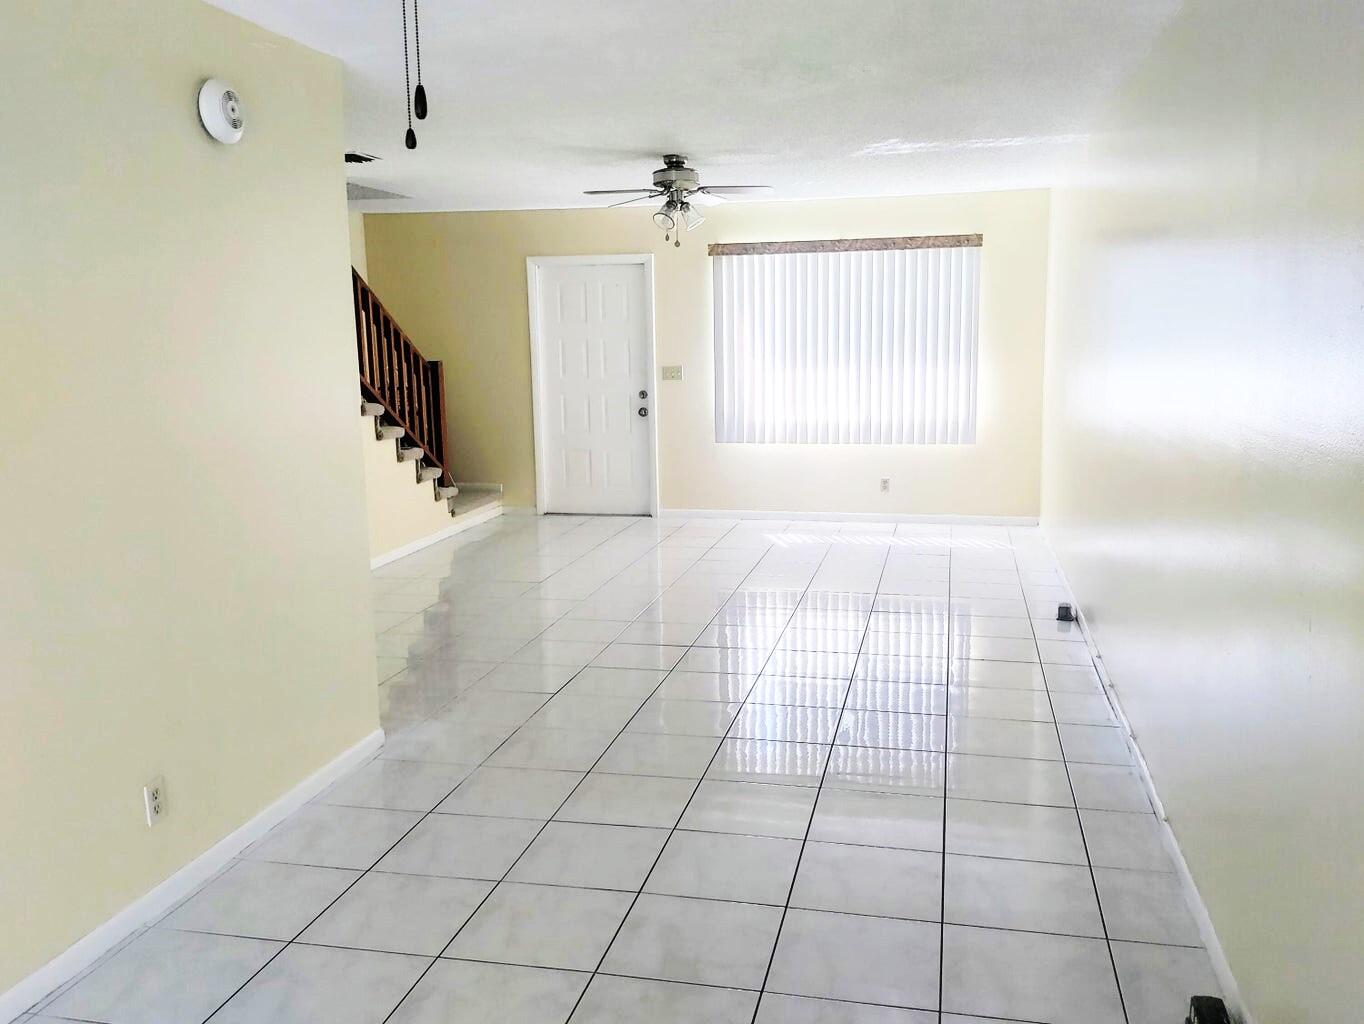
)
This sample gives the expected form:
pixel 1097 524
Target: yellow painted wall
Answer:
pixel 358 258
pixel 182 536
pixel 457 284
pixel 400 511
pixel 1204 468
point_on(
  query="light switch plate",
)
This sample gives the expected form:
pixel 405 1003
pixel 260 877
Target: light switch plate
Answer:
pixel 672 373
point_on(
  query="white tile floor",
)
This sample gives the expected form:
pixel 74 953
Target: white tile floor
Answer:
pixel 702 771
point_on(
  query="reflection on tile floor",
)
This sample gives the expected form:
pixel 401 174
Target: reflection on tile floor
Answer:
pixel 702 770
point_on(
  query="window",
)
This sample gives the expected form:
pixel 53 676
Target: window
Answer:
pixel 852 342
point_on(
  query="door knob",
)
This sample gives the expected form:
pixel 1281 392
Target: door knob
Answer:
pixel 643 412
pixel 643 395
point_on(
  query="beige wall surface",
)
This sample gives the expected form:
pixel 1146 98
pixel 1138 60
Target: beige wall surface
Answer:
pixel 182 537
pixel 457 284
pixel 1204 468
pixel 358 258
pixel 400 511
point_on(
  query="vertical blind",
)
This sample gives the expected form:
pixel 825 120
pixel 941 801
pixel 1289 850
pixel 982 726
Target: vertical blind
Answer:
pixel 847 347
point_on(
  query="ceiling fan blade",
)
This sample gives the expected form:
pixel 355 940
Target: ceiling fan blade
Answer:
pixel 704 198
pixel 627 202
pixel 734 190
pixel 614 191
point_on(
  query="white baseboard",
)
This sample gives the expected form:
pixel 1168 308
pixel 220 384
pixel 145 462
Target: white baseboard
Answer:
pixel 1231 992
pixel 849 517
pixel 463 522
pixel 148 908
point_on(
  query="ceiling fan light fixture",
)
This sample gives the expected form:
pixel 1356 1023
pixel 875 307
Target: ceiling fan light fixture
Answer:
pixel 666 217
pixel 691 217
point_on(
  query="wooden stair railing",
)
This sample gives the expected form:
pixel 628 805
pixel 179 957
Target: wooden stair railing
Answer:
pixel 393 373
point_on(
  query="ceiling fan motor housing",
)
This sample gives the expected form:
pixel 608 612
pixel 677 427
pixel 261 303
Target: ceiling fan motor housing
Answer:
pixel 675 174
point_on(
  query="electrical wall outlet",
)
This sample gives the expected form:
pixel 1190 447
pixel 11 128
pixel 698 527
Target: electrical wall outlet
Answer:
pixel 672 373
pixel 885 485
pixel 154 800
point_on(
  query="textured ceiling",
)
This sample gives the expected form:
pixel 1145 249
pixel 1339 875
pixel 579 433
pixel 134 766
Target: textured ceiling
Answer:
pixel 533 102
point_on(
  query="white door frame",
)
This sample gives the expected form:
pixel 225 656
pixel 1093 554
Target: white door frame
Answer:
pixel 534 264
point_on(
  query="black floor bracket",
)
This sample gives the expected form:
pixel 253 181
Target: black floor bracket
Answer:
pixel 1207 1010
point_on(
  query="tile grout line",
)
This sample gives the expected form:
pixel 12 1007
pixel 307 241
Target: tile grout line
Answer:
pixel 702 778
pixel 47 999
pixel 545 824
pixel 814 806
pixel 745 835
pixel 365 872
pixel 946 768
pixel 451 642
pixel 694 558
pixel 745 701
pixel 704 899
pixel 1079 818
pixel 441 580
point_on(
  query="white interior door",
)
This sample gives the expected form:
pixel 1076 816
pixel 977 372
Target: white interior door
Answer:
pixel 593 337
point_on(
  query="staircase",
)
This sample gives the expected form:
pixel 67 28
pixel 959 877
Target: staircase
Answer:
pixel 404 392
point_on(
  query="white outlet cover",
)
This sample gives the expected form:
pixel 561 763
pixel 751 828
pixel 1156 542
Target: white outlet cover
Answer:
pixel 154 800
pixel 672 373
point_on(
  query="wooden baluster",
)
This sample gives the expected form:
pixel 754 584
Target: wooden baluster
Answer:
pixel 447 477
pixel 376 373
pixel 433 411
pixel 406 351
pixel 397 398
pixel 376 360
pixel 427 432
pixel 362 330
pixel 367 312
pixel 418 405
pixel 395 362
pixel 389 368
pixel 426 405
pixel 413 361
pixel 362 326
pixel 396 385
pixel 359 324
pixel 381 364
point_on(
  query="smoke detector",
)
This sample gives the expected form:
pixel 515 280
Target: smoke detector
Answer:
pixel 220 111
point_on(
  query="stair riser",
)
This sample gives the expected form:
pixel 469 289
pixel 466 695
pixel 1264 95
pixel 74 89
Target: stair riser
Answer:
pixel 425 474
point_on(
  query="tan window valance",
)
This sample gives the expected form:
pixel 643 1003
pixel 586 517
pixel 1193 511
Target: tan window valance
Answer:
pixel 845 245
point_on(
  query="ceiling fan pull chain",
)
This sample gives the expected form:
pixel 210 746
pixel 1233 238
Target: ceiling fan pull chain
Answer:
pixel 410 139
pixel 419 99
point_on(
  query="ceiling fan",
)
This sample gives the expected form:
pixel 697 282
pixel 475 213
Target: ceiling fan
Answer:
pixel 677 184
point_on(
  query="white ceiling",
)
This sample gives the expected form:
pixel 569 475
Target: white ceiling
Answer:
pixel 533 101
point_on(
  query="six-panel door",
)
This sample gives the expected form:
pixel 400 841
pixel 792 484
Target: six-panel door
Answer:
pixel 595 388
